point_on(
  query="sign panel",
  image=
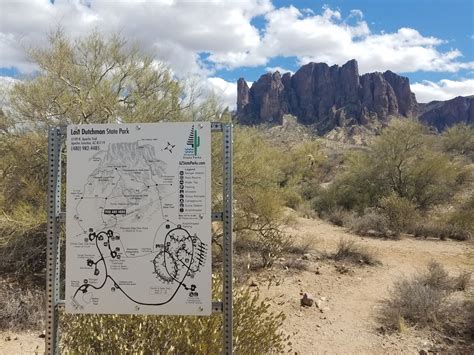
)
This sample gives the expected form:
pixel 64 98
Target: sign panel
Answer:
pixel 138 219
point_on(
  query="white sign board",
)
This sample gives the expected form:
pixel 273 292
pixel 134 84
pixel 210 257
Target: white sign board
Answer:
pixel 138 219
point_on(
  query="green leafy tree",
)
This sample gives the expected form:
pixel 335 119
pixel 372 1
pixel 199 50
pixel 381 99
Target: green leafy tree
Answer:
pixel 89 80
pixel 96 80
pixel 402 161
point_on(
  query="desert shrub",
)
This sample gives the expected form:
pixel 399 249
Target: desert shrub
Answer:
pixel 301 166
pixel 459 139
pixel 256 330
pixel 401 161
pixel 20 308
pixel 23 175
pixel 436 277
pixel 292 198
pixel 461 283
pixel 350 251
pixel 258 195
pixel 441 230
pixel 369 223
pixel 462 218
pixel 339 217
pixel 324 201
pixel 272 244
pixel 399 211
pixel 424 300
pixel 414 302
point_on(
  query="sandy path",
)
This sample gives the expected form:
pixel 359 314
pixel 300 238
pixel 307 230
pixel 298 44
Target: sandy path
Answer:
pixel 21 343
pixel 347 323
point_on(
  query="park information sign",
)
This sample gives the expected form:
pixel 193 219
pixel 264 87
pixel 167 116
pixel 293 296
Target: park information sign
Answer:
pixel 138 220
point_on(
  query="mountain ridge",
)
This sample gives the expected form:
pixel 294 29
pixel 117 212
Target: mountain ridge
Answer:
pixel 337 96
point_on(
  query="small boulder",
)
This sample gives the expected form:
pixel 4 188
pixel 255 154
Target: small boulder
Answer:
pixel 306 256
pixel 307 300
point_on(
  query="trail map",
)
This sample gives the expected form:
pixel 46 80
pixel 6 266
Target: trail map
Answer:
pixel 138 219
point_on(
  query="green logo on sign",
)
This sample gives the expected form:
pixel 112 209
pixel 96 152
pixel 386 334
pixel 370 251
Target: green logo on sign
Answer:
pixel 194 140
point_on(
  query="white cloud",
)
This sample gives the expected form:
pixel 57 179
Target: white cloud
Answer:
pixel 279 69
pixel 427 91
pixel 325 38
pixel 178 32
pixel 224 90
pixel 174 31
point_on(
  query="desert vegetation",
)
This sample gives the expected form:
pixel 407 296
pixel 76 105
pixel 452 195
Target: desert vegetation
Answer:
pixel 431 299
pixel 407 181
pixel 101 80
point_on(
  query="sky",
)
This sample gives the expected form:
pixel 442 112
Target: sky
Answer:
pixel 218 41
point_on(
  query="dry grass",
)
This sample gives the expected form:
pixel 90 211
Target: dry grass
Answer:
pixel 350 251
pixel 21 308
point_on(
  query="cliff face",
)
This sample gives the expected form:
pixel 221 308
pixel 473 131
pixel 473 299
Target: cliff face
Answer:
pixel 443 114
pixel 336 96
pixel 325 96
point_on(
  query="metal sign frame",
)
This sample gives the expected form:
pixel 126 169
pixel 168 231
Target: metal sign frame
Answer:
pixel 56 217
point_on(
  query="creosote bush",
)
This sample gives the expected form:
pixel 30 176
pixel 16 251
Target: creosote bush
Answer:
pixel 256 331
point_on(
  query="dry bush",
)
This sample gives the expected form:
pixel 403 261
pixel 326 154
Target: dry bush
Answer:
pixel 413 302
pixel 350 251
pixel 256 331
pixel 424 300
pixel 339 217
pixel 461 283
pixel 440 230
pixel 21 308
pixel 436 277
pixel 369 223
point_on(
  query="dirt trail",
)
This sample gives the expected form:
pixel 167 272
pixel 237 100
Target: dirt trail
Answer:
pixel 347 323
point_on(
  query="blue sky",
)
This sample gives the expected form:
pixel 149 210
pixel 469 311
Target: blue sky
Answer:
pixel 218 41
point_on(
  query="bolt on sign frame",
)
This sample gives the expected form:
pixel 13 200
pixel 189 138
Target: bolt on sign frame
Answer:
pixel 56 217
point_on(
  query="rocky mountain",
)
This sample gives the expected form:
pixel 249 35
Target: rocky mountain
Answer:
pixel 442 114
pixel 329 97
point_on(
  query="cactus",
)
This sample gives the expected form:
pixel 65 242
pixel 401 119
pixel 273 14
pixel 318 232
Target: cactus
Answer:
pixel 197 141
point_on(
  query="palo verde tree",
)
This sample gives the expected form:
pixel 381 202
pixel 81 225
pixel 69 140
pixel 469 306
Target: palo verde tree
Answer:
pixel 107 80
pixel 96 80
pixel 89 80
pixel 402 162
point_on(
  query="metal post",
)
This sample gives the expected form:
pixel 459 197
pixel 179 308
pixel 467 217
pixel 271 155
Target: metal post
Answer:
pixel 52 246
pixel 228 248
